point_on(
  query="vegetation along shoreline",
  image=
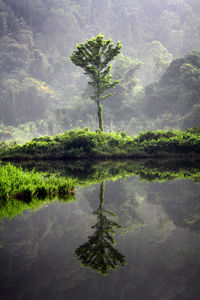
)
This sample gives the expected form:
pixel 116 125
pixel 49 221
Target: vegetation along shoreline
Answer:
pixel 86 144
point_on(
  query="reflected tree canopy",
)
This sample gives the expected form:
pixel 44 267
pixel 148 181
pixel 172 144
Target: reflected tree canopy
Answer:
pixel 99 253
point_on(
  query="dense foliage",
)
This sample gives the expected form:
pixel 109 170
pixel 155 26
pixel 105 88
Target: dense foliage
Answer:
pixel 41 90
pixel 20 190
pixel 88 172
pixel 83 143
pixel 177 93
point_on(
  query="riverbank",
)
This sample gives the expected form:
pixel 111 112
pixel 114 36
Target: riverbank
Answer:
pixel 37 184
pixel 25 185
pixel 85 144
pixel 21 189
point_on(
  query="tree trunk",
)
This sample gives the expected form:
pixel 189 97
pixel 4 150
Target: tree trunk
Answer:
pixel 100 116
pixel 100 109
pixel 101 193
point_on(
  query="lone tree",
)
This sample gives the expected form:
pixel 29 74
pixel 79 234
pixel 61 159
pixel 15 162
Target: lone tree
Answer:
pixel 94 57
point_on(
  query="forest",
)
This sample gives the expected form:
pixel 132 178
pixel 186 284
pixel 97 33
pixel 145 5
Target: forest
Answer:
pixel 43 93
pixel 99 149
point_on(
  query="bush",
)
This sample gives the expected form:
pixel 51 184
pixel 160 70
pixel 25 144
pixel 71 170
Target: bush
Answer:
pixel 154 135
pixel 83 143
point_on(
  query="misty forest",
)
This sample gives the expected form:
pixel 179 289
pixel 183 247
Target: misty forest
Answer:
pixel 99 149
pixel 44 93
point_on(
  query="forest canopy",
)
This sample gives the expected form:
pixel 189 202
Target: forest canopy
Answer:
pixel 42 92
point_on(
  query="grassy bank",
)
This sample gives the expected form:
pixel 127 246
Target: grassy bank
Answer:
pixel 20 190
pixel 82 143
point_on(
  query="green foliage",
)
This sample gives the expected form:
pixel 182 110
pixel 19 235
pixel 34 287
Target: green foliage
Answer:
pixel 98 253
pixel 88 172
pixel 155 135
pixel 156 170
pixel 83 143
pixel 21 189
pixel 94 57
pixel 194 130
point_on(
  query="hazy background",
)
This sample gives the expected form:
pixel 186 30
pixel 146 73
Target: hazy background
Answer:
pixel 42 92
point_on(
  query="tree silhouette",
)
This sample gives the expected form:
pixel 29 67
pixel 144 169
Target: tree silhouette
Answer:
pixel 98 253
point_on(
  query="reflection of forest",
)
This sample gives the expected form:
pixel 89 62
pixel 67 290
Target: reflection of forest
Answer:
pixel 37 250
pixel 184 209
pixel 98 253
pixel 90 172
pixel 181 202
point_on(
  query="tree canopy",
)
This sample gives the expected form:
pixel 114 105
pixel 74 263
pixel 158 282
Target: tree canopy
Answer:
pixel 94 57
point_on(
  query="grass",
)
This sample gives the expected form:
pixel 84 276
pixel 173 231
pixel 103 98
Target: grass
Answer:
pixel 21 189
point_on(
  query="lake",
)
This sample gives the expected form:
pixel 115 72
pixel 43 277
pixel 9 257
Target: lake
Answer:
pixel 137 237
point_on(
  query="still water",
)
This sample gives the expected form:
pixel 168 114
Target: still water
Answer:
pixel 121 240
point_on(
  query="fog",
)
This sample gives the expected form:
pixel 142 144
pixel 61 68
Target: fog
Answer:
pixel 43 93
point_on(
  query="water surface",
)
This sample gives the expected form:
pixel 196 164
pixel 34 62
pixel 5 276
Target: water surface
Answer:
pixel 152 231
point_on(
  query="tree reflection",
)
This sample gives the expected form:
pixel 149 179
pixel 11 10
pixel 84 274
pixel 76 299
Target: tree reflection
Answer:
pixel 98 253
